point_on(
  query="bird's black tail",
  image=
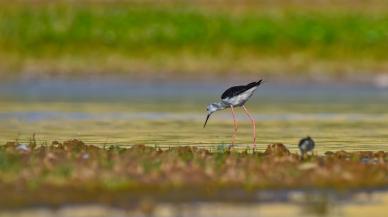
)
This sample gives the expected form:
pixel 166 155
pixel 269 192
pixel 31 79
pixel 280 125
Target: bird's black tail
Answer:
pixel 259 82
pixel 253 84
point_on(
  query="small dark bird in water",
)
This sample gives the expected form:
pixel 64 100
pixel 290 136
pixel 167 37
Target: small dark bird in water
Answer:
pixel 233 97
pixel 306 145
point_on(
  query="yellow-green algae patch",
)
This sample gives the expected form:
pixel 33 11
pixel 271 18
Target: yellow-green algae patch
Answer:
pixel 76 172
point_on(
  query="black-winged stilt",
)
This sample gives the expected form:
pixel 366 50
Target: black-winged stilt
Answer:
pixel 305 145
pixel 235 97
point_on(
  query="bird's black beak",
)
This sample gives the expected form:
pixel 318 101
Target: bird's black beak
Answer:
pixel 207 118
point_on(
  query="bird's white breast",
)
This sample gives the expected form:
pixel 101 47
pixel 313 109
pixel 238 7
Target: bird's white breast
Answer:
pixel 240 99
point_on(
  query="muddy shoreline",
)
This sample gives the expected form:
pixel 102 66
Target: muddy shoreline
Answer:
pixel 73 172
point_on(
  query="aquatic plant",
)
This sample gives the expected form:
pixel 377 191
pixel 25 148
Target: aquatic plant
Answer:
pixel 141 169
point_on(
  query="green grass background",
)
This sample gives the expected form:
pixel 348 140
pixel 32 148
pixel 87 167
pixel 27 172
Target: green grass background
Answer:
pixel 129 38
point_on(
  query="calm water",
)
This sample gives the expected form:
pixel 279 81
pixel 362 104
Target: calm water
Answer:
pixel 166 114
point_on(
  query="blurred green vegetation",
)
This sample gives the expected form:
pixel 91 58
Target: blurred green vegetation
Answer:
pixel 123 37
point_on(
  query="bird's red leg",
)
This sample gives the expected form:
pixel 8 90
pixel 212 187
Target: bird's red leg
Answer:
pixel 254 127
pixel 235 125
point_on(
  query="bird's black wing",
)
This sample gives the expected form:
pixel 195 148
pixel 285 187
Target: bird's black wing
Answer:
pixel 306 140
pixel 303 141
pixel 236 90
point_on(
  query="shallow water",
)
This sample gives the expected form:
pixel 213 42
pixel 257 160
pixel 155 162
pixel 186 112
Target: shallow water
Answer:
pixel 337 116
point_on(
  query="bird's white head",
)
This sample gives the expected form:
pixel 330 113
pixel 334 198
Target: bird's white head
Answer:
pixel 211 108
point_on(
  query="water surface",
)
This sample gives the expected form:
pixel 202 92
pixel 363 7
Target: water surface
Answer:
pixel 349 117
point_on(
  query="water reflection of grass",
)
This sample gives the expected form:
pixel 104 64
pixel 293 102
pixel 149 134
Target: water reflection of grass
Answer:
pixel 184 38
pixel 189 170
